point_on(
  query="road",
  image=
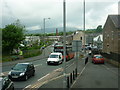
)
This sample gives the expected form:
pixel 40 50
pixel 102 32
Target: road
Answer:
pixel 43 71
pixel 90 76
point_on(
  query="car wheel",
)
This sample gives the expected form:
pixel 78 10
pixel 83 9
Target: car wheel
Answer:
pixel 33 74
pixel 48 63
pixel 12 88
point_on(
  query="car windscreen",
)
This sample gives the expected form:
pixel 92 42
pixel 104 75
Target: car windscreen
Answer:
pixel 98 57
pixel 20 67
pixel 53 56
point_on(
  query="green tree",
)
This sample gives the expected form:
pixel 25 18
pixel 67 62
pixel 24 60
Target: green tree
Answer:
pixel 99 29
pixel 12 35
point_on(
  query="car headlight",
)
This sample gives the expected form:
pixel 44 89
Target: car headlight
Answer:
pixel 21 74
pixel 9 73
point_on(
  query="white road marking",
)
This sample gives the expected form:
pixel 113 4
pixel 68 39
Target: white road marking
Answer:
pixel 70 65
pixel 43 77
pixel 27 86
pixel 38 65
pixel 79 75
pixel 110 70
pixel 4 73
pixel 106 67
pixel 57 69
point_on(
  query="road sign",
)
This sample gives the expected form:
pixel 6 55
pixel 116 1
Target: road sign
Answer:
pixel 76 45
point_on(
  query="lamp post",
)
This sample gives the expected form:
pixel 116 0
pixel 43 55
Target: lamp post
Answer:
pixel 64 43
pixel 44 31
pixel 84 22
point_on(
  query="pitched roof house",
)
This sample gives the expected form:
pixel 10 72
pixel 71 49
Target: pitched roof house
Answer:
pixel 111 35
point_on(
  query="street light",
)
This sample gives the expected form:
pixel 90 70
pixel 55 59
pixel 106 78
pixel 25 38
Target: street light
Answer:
pixel 44 32
pixel 64 43
pixel 84 22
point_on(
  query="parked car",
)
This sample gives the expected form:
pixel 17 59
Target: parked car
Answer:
pixel 6 83
pixel 98 59
pixel 22 71
pixel 55 58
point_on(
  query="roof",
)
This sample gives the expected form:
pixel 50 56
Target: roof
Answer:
pixel 115 19
pixel 24 63
pixel 56 53
pixel 98 38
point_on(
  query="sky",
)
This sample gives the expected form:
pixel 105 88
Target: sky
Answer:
pixel 32 12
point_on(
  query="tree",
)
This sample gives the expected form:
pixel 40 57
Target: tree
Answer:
pixel 12 35
pixel 99 29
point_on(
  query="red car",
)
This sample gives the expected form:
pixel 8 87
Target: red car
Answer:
pixel 97 59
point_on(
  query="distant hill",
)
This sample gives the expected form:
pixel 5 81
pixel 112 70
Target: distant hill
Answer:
pixel 50 30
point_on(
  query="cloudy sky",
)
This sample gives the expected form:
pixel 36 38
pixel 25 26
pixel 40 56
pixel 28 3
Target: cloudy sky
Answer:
pixel 31 12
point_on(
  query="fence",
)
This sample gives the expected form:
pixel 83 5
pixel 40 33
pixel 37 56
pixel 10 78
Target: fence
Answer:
pixel 112 56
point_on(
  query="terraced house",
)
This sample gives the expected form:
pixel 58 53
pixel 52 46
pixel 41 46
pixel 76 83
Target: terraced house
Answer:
pixel 111 37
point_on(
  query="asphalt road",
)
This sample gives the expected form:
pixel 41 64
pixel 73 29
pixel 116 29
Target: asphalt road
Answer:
pixel 43 72
pixel 90 76
pixel 51 76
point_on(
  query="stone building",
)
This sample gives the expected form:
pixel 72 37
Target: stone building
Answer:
pixel 111 36
pixel 80 35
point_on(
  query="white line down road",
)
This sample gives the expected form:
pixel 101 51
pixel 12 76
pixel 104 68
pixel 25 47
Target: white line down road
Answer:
pixel 45 79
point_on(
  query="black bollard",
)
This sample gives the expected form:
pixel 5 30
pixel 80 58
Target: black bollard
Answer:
pixel 71 78
pixel 68 82
pixel 73 75
pixel 76 72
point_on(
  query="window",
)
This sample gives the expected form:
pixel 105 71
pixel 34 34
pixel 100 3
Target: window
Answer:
pixel 59 57
pixel 53 56
pixel 80 38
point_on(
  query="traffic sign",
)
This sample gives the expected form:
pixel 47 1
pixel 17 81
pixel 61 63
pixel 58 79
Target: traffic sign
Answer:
pixel 76 45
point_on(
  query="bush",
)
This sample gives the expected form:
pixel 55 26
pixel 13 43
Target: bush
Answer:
pixel 26 54
pixel 31 53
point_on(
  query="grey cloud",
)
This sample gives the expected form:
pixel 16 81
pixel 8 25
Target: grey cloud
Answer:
pixel 32 12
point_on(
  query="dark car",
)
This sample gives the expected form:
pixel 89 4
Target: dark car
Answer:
pixel 6 83
pixel 22 71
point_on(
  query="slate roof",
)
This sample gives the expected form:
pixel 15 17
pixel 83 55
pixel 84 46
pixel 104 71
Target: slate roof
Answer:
pixel 116 20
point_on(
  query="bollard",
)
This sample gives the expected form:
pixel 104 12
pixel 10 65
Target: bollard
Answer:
pixel 68 82
pixel 76 72
pixel 71 78
pixel 73 75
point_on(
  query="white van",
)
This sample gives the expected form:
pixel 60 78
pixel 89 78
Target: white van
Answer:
pixel 55 58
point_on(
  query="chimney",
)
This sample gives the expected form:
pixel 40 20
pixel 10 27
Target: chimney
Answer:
pixel 56 32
